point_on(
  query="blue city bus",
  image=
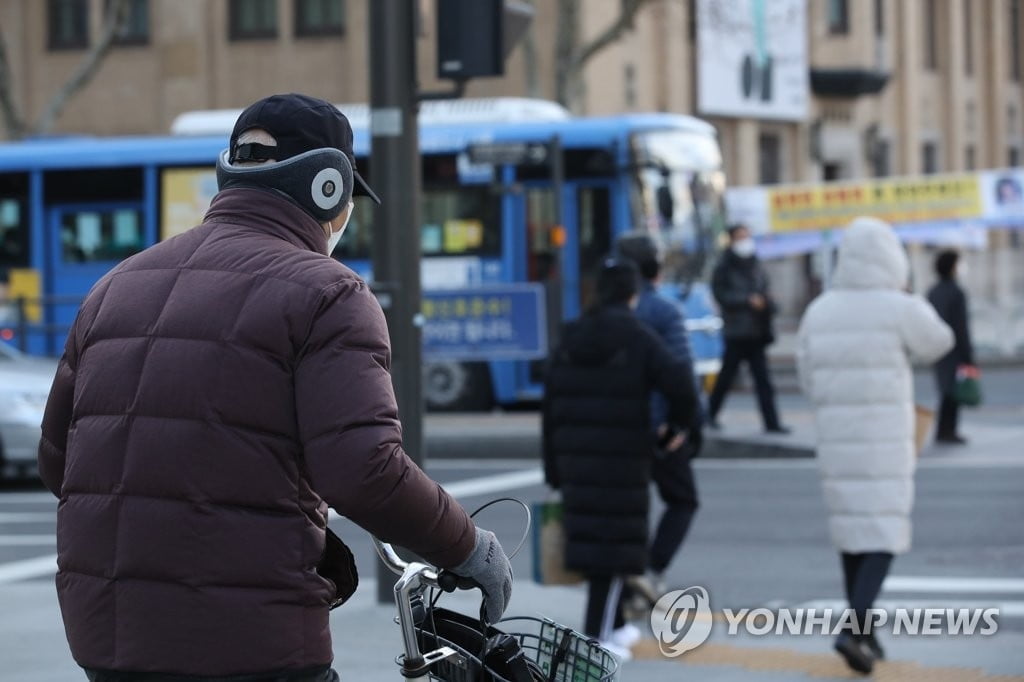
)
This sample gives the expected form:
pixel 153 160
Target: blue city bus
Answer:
pixel 72 207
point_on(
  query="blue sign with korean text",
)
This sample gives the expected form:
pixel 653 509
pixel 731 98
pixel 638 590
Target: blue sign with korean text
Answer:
pixel 485 323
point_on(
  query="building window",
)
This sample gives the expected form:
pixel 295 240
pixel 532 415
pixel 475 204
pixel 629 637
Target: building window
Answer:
pixel 970 158
pixel 929 158
pixel 879 18
pixel 134 28
pixel 1013 157
pixel 252 19
pixel 880 159
pixel 319 17
pixel 769 159
pixel 931 36
pixel 629 85
pixel 838 17
pixel 968 37
pixel 1015 40
pixel 67 24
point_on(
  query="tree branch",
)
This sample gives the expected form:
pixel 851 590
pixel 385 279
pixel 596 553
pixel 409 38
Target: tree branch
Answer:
pixel 625 22
pixel 87 68
pixel 12 119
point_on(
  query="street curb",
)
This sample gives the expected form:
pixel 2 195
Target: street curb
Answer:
pixel 476 445
pixel 725 447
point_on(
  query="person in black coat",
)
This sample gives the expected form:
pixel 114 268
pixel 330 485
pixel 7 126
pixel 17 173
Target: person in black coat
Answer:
pixel 740 286
pixel 950 302
pixel 597 438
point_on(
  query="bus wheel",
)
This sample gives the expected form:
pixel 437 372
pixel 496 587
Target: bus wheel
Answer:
pixel 457 386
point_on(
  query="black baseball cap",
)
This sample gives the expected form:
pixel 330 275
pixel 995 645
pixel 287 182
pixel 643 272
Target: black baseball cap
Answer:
pixel 299 123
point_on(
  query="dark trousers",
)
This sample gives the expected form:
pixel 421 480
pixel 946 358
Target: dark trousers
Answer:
pixel 318 674
pixel 863 575
pixel 673 475
pixel 604 606
pixel 949 417
pixel 751 351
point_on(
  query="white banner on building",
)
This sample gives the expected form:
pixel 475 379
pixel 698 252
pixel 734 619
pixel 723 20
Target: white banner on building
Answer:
pixel 752 59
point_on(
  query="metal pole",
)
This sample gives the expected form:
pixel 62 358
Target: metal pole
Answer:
pixel 395 175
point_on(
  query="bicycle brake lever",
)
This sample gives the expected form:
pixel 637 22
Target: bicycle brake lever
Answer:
pixel 449 582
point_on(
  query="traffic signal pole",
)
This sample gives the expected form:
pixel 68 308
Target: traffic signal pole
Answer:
pixel 395 176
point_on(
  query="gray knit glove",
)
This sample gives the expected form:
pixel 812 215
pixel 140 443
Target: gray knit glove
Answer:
pixel 488 567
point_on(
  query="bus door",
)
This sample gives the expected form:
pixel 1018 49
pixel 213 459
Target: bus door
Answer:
pixel 84 242
pixel 569 270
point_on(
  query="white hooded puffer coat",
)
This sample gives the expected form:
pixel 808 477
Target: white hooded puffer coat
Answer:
pixel 855 346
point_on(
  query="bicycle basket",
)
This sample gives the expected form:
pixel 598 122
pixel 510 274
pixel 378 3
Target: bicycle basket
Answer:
pixel 551 652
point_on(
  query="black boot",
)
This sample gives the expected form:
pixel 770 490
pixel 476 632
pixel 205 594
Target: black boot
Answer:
pixel 856 655
pixel 871 642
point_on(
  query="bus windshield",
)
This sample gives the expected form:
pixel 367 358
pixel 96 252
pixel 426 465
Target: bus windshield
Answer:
pixel 679 191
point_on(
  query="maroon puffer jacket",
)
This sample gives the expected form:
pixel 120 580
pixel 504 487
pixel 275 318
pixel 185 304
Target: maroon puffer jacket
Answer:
pixel 217 392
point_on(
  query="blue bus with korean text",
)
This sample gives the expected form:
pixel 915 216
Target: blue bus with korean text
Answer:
pixel 498 213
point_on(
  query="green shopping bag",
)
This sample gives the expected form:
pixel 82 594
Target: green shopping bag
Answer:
pixel 549 546
pixel 967 390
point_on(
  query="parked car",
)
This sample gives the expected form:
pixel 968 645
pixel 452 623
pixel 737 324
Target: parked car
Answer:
pixel 24 385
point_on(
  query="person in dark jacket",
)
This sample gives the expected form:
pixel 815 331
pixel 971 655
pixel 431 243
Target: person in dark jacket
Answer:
pixel 216 394
pixel 598 443
pixel 740 285
pixel 672 470
pixel 950 301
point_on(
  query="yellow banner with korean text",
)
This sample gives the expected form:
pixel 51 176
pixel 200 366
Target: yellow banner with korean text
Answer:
pixel 900 200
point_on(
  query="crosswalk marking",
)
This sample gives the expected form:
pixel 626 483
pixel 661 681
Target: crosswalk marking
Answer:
pixel 27 540
pixel 28 568
pixel 30 498
pixel 27 517
pixel 904 583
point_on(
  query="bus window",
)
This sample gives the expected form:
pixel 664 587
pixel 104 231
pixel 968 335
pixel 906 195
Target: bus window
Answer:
pixel 14 224
pixel 464 221
pixel 185 196
pixel 93 184
pixel 455 221
pixel 100 235
pixel 679 190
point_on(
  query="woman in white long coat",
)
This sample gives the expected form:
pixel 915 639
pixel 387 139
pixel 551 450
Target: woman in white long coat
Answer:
pixel 855 347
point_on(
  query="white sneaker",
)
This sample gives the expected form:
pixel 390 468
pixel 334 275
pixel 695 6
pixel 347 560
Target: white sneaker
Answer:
pixel 650 586
pixel 626 636
pixel 620 652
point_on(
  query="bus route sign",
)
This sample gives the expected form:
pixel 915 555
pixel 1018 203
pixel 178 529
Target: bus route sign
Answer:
pixel 501 322
pixel 512 153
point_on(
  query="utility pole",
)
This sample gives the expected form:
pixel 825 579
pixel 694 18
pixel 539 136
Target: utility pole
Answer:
pixel 395 175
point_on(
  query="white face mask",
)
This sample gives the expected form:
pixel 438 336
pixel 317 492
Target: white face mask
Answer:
pixel 332 241
pixel 745 248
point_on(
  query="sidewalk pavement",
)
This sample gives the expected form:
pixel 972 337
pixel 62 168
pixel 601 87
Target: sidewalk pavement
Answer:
pixel 367 640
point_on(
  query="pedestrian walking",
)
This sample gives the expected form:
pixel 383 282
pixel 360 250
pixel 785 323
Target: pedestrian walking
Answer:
pixel 671 469
pixel 217 393
pixel 598 445
pixel 740 285
pixel 950 302
pixel 855 345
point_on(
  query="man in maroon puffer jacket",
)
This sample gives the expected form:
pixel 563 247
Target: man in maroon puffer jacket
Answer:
pixel 217 392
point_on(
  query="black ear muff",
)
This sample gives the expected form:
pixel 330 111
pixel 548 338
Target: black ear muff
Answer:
pixel 320 181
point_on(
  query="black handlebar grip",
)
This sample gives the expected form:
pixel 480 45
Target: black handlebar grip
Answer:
pixel 449 582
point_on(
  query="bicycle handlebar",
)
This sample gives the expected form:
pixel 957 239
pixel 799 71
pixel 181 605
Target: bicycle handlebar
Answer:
pixel 413 577
pixel 443 580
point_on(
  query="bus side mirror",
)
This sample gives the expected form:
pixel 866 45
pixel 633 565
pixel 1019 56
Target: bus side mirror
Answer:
pixel 666 205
